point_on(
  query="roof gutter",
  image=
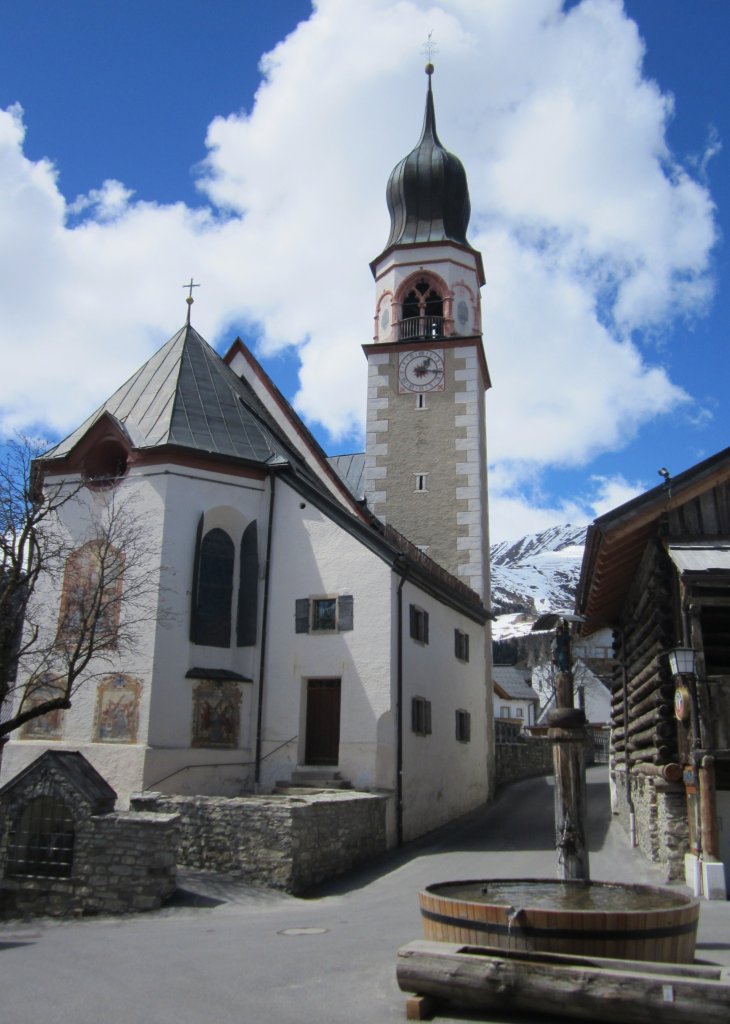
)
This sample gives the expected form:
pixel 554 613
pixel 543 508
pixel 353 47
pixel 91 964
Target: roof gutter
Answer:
pixel 264 630
pixel 401 566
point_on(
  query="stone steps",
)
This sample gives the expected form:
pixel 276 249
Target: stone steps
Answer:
pixel 313 778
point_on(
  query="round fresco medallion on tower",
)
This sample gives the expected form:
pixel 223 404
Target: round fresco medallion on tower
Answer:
pixel 385 318
pixel 462 314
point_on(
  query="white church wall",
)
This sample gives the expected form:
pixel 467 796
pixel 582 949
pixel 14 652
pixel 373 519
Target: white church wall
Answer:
pixel 443 777
pixel 314 558
pixel 230 503
pixel 119 761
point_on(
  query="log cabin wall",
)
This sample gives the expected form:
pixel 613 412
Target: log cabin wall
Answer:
pixel 650 740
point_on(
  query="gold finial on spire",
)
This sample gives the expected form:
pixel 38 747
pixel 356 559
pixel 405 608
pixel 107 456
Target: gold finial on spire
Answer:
pixel 190 300
pixel 428 50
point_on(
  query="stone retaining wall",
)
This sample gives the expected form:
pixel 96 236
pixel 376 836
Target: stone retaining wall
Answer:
pixel 523 759
pixel 288 842
pixel 120 861
pixel 660 814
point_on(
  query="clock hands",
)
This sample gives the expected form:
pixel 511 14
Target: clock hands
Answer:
pixel 427 366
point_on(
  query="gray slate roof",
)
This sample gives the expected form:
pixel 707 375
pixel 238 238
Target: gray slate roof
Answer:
pixel 186 395
pixel 513 681
pixel 349 469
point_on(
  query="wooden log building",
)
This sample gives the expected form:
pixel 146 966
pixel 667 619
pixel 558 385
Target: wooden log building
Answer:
pixel 656 571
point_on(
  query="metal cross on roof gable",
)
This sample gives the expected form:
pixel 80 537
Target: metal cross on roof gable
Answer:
pixel 190 298
pixel 429 47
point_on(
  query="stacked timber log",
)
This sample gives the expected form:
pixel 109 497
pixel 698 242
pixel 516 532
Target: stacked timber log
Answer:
pixel 644 730
pixel 579 988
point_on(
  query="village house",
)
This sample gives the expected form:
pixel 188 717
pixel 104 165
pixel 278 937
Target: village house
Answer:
pixel 656 571
pixel 514 699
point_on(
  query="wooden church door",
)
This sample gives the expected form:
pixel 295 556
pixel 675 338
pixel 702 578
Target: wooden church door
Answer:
pixel 322 744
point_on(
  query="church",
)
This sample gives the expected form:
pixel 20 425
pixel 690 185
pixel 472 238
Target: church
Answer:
pixel 321 621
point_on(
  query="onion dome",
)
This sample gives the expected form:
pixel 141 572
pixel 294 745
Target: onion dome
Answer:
pixel 427 193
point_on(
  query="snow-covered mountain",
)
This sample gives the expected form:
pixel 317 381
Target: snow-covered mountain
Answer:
pixel 535 574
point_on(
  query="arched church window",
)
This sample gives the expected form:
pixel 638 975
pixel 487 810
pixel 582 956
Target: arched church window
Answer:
pixel 213 590
pixel 106 463
pixel 434 304
pixel 248 587
pixel 411 305
pixel 42 841
pixel 422 312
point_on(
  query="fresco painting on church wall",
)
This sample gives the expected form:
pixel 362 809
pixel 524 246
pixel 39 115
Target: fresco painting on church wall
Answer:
pixel 216 714
pixel 117 710
pixel 81 583
pixel 45 727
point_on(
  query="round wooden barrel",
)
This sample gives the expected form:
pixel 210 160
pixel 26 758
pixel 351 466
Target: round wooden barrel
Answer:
pixel 663 927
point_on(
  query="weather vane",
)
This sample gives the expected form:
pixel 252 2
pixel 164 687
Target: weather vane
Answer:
pixel 428 50
pixel 190 300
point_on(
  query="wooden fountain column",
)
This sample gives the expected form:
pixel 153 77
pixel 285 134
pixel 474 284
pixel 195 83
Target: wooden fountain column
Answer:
pixel 567 732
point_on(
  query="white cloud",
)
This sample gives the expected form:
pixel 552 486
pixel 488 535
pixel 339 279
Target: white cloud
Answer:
pixel 610 492
pixel 108 202
pixel 590 230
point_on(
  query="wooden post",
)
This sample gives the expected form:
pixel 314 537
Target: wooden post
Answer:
pixel 708 809
pixel 568 734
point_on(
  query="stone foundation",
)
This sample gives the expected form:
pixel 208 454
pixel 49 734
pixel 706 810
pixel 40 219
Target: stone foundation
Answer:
pixel 287 842
pixel 660 813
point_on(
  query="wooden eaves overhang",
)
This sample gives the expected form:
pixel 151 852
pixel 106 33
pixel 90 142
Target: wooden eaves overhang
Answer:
pixel 616 541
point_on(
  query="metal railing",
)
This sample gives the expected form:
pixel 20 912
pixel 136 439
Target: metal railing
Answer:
pixel 414 327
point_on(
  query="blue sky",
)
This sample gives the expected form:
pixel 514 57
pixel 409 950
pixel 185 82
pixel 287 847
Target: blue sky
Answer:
pixel 153 145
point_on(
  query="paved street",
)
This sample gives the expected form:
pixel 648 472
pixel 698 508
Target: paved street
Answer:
pixel 230 954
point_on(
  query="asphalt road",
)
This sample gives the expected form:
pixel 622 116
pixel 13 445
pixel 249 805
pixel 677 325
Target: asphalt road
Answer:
pixel 226 953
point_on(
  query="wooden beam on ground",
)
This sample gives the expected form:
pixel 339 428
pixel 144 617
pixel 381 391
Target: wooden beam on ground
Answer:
pixel 577 988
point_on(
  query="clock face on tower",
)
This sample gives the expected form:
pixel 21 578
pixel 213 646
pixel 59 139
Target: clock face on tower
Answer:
pixel 421 371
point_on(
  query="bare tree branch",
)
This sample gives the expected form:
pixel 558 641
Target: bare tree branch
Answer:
pixel 67 610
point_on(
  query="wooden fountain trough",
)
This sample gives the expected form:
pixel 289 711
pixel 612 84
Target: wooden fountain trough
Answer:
pixel 604 919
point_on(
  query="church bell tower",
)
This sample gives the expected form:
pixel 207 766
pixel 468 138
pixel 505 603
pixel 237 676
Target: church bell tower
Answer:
pixel 426 457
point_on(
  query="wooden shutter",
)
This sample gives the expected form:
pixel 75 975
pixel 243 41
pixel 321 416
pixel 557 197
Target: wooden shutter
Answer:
pixel 414 621
pixel 425 640
pixel 345 607
pixel 302 615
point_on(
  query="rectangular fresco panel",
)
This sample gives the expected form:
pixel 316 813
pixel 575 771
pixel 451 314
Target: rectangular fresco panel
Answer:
pixel 216 714
pixel 117 710
pixel 50 725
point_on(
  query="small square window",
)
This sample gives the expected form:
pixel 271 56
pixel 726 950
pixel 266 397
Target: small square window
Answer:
pixel 463 726
pixel 324 613
pixel 421 481
pixel 419 624
pixel 421 716
pixel 461 645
